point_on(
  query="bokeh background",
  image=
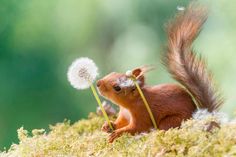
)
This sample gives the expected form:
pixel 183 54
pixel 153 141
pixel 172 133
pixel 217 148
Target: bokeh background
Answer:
pixel 40 39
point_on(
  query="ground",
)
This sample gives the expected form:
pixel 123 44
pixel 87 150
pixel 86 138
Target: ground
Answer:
pixel 196 137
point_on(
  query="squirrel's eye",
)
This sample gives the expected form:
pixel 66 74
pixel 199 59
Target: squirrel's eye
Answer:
pixel 117 88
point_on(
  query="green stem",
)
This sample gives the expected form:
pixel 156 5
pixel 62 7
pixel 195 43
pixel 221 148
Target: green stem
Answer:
pixel 146 104
pixel 100 105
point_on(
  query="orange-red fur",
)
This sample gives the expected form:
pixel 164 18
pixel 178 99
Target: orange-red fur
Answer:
pixel 169 103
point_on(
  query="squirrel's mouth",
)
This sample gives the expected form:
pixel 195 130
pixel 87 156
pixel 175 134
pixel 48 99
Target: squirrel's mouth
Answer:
pixel 99 91
pixel 102 88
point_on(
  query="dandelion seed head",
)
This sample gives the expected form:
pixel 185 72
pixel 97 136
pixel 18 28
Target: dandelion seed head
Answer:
pixel 82 73
pixel 202 114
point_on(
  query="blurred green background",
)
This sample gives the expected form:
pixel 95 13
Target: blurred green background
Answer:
pixel 40 39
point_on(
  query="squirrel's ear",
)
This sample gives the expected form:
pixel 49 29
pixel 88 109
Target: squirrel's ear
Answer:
pixel 137 72
pixel 140 71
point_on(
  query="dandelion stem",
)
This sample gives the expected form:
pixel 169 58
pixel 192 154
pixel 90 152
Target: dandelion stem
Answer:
pixel 146 103
pixel 100 105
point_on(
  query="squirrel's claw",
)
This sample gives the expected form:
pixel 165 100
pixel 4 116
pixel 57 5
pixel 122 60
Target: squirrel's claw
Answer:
pixel 115 134
pixel 106 128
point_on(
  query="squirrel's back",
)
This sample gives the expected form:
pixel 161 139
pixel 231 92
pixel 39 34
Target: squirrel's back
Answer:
pixel 183 64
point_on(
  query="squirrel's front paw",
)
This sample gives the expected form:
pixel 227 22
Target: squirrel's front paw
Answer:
pixel 106 127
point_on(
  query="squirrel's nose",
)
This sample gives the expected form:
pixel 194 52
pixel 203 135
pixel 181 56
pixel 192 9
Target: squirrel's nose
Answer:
pixel 99 82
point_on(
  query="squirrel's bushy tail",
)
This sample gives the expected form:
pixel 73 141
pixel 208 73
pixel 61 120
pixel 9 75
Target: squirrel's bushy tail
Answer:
pixel 183 64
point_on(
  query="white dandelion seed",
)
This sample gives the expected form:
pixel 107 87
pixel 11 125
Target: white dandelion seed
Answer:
pixel 128 73
pixel 82 72
pixel 180 8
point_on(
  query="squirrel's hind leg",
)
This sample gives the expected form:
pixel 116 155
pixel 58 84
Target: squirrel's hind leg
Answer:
pixel 171 121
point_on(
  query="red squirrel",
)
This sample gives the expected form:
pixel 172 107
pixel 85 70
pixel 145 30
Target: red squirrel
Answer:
pixel 170 103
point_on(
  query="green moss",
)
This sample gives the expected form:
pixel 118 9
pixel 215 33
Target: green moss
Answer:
pixel 84 138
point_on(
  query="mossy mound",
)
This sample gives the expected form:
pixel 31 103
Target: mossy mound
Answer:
pixel 84 138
